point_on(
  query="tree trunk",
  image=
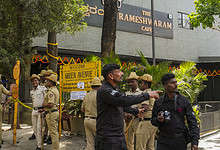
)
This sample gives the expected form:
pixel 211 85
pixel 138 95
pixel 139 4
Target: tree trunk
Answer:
pixel 52 50
pixel 109 27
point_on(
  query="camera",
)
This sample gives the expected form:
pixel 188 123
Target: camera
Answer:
pixel 166 114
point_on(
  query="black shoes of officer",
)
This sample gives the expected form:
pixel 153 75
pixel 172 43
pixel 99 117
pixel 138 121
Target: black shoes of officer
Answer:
pixel 38 148
pixel 49 141
pixel 32 137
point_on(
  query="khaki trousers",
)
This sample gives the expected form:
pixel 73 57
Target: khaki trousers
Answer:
pixel 36 123
pixel 145 136
pixel 90 129
pixel 131 133
pixel 52 122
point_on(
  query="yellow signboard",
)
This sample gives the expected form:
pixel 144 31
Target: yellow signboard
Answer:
pixel 76 77
pixel 16 70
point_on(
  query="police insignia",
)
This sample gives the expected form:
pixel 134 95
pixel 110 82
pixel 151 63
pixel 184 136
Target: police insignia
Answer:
pixel 51 95
pixel 114 92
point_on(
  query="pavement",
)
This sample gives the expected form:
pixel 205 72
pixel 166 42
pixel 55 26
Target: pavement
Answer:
pixel 67 142
pixel 210 140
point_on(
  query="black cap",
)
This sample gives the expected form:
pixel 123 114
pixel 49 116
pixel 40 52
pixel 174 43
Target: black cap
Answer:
pixel 108 68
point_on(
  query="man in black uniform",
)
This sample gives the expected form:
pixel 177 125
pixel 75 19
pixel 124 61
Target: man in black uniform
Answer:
pixel 169 113
pixel 111 104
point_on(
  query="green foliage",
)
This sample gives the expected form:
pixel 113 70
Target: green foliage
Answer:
pixel 190 81
pixel 206 13
pixel 61 15
pixel 71 107
pixel 196 113
pixel 22 20
pixel 156 71
pixel 92 58
pixel 112 59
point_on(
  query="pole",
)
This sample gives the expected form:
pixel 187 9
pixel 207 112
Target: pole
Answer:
pixel 15 95
pixel 153 37
pixel 15 117
pixel 60 102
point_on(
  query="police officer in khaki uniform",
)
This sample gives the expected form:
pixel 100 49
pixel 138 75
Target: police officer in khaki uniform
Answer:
pixel 90 109
pixel 132 125
pixel 43 74
pixel 50 104
pixel 37 94
pixel 145 134
pixel 3 90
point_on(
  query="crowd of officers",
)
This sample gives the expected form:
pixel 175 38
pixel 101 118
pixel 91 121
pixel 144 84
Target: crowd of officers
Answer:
pixel 131 121
pixel 138 127
pixel 116 120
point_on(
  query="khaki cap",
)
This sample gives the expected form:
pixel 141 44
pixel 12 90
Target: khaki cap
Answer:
pixel 145 103
pixel 146 77
pixel 96 82
pixel 42 73
pixel 52 77
pixel 132 75
pixel 49 72
pixel 35 76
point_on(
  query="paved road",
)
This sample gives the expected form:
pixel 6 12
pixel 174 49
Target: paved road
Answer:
pixel 211 142
pixel 68 142
pixel 71 142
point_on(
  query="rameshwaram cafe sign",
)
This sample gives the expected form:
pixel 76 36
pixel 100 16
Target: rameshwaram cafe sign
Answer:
pixel 132 19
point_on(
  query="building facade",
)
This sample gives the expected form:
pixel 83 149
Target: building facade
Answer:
pixel 175 39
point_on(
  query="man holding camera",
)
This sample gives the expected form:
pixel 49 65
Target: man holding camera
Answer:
pixel 169 113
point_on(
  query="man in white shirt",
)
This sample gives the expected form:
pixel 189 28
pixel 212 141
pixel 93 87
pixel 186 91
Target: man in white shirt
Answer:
pixel 37 95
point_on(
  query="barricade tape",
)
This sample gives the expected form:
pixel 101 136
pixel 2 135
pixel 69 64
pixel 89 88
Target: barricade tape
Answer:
pixel 17 100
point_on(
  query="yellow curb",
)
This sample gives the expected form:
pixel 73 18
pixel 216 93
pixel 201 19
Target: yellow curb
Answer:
pixel 209 131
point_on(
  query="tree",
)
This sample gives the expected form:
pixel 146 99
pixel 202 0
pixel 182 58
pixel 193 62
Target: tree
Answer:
pixel 62 16
pixel 207 14
pixel 22 20
pixel 109 27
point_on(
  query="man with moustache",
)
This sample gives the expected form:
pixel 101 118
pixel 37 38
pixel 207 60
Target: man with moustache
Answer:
pixel 169 113
pixel 111 104
pixel 145 134
pixel 37 94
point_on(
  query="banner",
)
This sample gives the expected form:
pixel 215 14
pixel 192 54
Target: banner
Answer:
pixel 76 77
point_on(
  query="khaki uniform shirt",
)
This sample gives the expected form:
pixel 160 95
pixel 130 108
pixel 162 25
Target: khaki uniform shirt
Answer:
pixel 3 90
pixel 150 103
pixel 89 104
pixel 37 95
pixel 137 92
pixel 52 96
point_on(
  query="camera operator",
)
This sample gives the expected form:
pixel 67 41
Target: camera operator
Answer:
pixel 169 113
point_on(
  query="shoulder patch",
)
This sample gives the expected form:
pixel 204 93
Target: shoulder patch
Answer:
pixel 113 92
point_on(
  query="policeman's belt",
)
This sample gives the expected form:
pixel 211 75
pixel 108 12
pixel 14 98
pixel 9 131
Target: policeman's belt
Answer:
pixel 90 117
pixel 50 111
pixel 37 108
pixel 144 119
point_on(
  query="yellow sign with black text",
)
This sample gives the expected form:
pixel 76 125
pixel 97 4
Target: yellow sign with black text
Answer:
pixel 77 77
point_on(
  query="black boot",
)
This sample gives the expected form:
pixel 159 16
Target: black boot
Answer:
pixel 32 137
pixel 45 138
pixel 49 141
pixel 38 148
